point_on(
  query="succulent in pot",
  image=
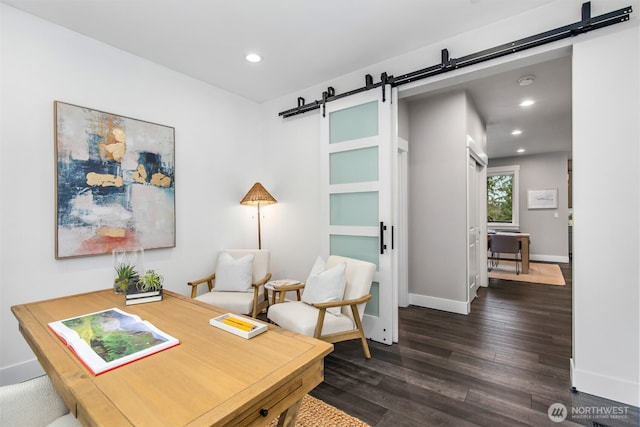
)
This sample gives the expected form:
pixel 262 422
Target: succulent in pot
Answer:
pixel 126 274
pixel 150 281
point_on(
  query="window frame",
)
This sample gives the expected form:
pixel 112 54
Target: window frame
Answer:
pixel 513 170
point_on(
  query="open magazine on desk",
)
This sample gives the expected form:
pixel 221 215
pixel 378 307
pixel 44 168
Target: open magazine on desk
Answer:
pixel 110 338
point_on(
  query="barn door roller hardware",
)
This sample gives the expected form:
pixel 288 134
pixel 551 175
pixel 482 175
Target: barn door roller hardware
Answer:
pixel 586 24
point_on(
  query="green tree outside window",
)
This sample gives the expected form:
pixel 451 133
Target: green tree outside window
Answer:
pixel 500 198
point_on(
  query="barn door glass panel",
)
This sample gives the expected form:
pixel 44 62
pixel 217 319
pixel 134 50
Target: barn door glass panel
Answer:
pixel 359 121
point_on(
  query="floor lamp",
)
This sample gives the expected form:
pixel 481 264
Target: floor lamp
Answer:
pixel 258 196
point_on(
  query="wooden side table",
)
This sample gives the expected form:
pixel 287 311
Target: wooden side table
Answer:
pixel 283 286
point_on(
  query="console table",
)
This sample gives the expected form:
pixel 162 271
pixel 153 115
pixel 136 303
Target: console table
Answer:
pixel 213 378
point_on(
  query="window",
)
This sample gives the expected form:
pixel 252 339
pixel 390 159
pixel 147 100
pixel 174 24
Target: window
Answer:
pixel 502 197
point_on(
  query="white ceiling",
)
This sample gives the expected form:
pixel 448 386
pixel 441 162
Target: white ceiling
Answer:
pixel 303 42
pixel 545 126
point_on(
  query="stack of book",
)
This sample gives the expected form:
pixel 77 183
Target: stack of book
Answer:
pixel 136 296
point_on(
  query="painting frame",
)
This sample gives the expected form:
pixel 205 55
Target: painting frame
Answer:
pixel 542 199
pixel 114 182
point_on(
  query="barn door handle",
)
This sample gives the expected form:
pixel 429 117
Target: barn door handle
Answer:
pixel 393 238
pixel 382 245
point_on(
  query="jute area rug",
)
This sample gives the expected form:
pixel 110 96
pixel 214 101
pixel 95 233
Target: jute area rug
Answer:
pixel 315 413
pixel 547 274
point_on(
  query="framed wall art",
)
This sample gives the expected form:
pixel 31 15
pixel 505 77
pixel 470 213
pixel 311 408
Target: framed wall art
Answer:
pixel 542 199
pixel 114 183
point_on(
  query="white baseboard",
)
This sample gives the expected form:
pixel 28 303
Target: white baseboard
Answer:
pixel 453 306
pixel 20 372
pixel 615 389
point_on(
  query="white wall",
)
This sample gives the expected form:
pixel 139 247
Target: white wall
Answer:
pixel 549 234
pixel 438 129
pixel 437 195
pixel 218 149
pixel 293 163
pixel 606 155
pixel 476 127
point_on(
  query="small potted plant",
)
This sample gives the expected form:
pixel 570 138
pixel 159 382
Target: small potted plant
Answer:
pixel 126 275
pixel 150 281
pixel 147 288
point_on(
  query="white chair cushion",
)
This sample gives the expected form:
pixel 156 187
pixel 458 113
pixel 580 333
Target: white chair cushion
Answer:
pixel 302 318
pixel 66 421
pixel 234 275
pixel 325 285
pixel 32 403
pixel 235 302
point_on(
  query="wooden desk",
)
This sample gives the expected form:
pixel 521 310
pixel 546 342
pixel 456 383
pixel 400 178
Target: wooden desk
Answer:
pixel 525 240
pixel 213 378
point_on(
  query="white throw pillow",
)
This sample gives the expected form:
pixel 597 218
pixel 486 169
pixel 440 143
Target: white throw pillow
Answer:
pixel 234 274
pixel 318 267
pixel 325 285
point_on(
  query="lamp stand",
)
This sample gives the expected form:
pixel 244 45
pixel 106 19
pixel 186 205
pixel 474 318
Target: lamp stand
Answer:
pixel 259 239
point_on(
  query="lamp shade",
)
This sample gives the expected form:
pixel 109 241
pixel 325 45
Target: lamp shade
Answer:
pixel 258 196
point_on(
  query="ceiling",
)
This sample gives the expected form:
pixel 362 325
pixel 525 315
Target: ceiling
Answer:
pixel 305 43
pixel 545 125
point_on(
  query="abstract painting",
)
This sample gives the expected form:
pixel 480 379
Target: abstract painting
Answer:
pixel 115 184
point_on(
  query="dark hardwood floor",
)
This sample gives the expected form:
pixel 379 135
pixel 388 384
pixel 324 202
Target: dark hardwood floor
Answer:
pixel 502 365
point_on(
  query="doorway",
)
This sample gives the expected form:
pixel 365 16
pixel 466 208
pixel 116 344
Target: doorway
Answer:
pixel 440 283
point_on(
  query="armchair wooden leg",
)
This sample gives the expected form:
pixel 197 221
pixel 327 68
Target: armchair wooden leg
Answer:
pixel 365 347
pixel 319 323
pixel 363 338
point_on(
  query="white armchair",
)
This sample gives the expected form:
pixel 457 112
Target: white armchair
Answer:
pixel 34 403
pixel 312 319
pixel 237 285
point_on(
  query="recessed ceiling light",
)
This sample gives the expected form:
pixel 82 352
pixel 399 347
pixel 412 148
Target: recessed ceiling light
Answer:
pixel 526 80
pixel 527 102
pixel 253 57
pixel 521 150
pixel 516 132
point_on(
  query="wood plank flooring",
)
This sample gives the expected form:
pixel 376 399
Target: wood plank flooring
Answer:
pixel 502 365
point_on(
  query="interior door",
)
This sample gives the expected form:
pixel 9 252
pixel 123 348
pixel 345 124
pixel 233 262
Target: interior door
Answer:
pixel 476 219
pixel 473 225
pixel 357 156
